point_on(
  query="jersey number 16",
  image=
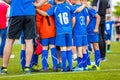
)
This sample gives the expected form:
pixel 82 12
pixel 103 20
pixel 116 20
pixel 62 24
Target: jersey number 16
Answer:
pixel 63 17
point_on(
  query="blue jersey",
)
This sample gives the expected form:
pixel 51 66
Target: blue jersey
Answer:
pixel 92 23
pixel 22 8
pixel 108 27
pixel 80 25
pixel 52 2
pixel 62 15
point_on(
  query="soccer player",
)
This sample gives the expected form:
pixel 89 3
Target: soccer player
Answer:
pixel 62 15
pixel 22 18
pixel 102 7
pixel 59 65
pixel 92 31
pixel 108 31
pixel 3 25
pixel 80 36
pixel 47 32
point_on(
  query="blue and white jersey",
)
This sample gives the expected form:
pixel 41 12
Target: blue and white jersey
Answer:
pixel 52 2
pixel 62 15
pixel 92 23
pixel 22 8
pixel 108 27
pixel 80 25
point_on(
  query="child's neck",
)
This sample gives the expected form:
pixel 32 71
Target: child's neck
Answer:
pixel 77 2
pixel 46 3
pixel 59 2
pixel 108 20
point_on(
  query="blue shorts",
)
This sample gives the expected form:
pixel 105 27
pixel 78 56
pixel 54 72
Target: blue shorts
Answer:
pixel 64 40
pixel 93 38
pixel 80 40
pixel 107 37
pixel 47 41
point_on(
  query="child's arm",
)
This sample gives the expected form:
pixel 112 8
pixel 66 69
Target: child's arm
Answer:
pixel 87 20
pixel 88 6
pixel 41 2
pixel 80 8
pixel 43 13
pixel 73 21
pixel 97 23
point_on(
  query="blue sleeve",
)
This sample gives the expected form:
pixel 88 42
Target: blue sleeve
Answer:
pixel 92 12
pixel 72 15
pixel 113 22
pixel 86 12
pixel 50 11
pixel 51 2
pixel 72 8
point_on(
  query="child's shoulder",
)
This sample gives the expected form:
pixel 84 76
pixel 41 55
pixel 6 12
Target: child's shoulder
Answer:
pixel 91 9
pixel 45 6
pixel 111 21
pixel 77 5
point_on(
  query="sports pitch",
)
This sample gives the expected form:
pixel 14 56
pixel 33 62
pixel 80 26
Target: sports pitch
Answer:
pixel 110 70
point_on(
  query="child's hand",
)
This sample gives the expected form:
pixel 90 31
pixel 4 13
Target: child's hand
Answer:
pixel 35 4
pixel 95 30
pixel 37 37
pixel 87 5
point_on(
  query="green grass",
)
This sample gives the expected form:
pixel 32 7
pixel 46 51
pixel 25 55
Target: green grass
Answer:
pixel 110 70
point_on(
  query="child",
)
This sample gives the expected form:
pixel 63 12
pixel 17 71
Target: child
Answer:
pixel 108 31
pixel 62 15
pixel 47 31
pixel 92 31
pixel 80 36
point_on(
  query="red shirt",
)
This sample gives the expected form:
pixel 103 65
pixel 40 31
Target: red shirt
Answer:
pixel 3 12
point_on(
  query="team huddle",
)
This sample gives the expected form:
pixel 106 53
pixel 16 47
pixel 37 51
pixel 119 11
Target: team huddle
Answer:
pixel 61 25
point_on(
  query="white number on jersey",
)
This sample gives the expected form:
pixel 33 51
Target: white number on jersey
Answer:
pixel 107 26
pixel 63 17
pixel 82 20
